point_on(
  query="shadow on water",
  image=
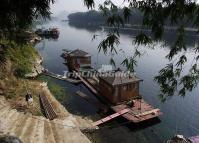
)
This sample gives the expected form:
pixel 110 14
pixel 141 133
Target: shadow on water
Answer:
pixel 121 131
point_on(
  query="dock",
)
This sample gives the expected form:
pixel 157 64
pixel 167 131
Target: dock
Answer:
pixel 47 107
pixel 60 77
pixel 110 117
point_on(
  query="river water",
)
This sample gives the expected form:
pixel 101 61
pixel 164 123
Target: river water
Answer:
pixel 180 114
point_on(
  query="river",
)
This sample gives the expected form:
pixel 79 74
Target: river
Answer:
pixel 180 114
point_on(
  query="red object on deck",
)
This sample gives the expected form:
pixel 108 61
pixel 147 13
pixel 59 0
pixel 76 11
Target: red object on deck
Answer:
pixel 194 139
pixel 108 118
pixel 141 111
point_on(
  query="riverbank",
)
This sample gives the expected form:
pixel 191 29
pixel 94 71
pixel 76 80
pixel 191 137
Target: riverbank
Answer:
pixel 27 121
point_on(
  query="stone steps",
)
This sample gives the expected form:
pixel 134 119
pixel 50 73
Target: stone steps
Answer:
pixel 34 129
pixel 48 131
pixel 28 132
pixel 39 132
pixel 21 125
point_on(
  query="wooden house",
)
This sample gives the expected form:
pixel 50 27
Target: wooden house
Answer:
pixel 118 87
pixel 78 59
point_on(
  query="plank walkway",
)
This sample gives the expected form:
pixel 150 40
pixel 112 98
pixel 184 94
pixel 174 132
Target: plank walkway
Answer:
pixel 110 117
pixel 90 87
pixel 48 109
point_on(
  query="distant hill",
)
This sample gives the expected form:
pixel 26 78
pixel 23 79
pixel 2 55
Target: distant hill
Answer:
pixel 91 17
pixel 96 18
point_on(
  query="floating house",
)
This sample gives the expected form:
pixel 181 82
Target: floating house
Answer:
pixel 118 87
pixel 51 32
pixel 77 59
pixel 122 91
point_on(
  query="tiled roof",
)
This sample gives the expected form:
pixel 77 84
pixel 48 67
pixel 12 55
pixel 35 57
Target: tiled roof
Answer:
pixel 119 78
pixel 79 53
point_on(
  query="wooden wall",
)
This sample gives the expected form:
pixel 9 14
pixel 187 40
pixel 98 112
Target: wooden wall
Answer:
pixel 73 60
pixel 119 93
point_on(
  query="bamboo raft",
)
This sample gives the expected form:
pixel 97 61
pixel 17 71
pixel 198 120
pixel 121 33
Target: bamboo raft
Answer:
pixel 47 107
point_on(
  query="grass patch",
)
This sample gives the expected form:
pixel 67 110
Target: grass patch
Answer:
pixel 58 91
pixel 22 56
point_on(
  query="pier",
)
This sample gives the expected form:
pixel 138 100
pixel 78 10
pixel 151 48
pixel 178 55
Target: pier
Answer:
pixel 60 77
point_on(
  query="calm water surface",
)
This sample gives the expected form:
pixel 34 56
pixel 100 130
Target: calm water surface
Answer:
pixel 180 115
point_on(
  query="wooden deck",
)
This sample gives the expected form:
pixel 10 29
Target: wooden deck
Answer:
pixel 141 111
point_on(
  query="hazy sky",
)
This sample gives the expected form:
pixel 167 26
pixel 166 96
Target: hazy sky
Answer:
pixel 74 5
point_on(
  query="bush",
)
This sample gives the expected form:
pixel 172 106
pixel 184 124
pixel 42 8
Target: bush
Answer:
pixel 21 55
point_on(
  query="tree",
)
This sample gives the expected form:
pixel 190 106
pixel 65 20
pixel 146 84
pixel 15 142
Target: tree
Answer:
pixel 156 14
pixel 16 15
pixel 19 14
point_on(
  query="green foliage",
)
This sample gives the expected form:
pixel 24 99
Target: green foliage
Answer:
pixel 22 57
pixel 110 42
pixel 89 3
pixel 112 62
pixel 19 14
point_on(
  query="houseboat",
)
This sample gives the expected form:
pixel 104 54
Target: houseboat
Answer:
pixel 77 59
pixel 51 32
pixel 122 91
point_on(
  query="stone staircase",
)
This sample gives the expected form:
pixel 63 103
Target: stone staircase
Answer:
pixel 34 129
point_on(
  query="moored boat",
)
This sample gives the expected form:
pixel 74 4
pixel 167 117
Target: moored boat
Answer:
pixel 51 32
